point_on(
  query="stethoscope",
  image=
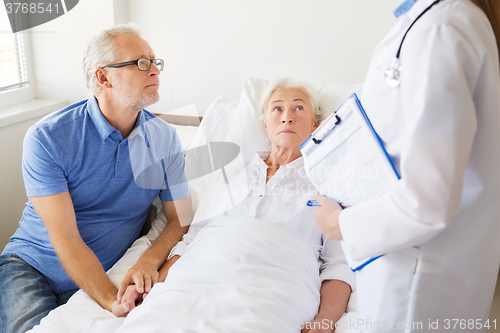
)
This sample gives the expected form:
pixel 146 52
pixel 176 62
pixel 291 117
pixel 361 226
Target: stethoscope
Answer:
pixel 393 72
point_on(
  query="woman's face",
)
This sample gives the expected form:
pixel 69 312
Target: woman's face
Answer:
pixel 289 119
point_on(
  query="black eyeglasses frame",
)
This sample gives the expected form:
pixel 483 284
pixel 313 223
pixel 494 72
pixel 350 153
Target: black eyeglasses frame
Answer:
pixel 159 63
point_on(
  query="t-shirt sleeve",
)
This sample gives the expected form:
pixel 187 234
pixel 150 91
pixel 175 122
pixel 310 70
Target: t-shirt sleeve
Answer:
pixel 175 180
pixel 42 167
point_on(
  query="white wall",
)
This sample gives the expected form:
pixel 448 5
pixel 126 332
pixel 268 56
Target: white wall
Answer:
pixel 210 46
pixel 12 194
pixel 58 46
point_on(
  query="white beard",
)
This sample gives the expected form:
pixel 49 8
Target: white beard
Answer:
pixel 133 100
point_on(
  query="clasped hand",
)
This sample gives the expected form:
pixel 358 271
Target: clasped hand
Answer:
pixel 136 284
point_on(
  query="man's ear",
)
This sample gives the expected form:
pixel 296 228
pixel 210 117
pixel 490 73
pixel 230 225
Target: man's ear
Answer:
pixel 102 79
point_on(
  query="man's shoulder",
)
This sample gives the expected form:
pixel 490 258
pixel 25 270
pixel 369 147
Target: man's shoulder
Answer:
pixel 60 121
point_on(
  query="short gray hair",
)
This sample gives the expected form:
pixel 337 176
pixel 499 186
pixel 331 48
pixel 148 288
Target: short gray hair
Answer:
pixel 101 51
pixel 287 82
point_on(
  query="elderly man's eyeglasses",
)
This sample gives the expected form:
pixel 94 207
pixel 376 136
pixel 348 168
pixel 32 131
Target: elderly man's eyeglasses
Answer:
pixel 143 64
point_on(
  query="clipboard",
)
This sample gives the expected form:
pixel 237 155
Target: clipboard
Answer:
pixel 346 161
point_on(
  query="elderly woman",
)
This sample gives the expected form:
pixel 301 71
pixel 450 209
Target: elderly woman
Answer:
pixel 262 265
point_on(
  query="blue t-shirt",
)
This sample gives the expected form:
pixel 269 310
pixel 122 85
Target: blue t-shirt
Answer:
pixel 77 150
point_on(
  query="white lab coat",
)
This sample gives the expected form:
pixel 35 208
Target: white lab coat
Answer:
pixel 440 225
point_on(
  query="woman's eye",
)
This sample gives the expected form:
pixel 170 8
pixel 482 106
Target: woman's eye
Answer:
pixel 278 108
pixel 300 108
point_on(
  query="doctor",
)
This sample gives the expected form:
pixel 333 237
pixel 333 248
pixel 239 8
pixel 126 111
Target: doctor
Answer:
pixel 437 111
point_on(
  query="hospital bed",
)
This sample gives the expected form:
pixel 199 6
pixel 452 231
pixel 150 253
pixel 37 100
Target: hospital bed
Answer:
pixel 224 120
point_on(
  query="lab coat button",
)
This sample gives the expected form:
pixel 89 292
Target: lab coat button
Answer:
pixel 118 164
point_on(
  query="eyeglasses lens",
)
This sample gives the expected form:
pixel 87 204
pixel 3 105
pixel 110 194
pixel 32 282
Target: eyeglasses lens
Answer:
pixel 158 63
pixel 144 64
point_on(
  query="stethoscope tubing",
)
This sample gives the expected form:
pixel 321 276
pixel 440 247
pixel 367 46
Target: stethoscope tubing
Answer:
pixel 419 16
pixel 393 72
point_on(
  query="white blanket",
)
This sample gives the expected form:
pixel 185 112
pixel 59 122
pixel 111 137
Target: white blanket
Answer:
pixel 244 275
pixel 240 275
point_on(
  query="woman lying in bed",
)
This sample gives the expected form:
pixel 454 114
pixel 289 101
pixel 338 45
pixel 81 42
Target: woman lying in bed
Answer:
pixel 262 265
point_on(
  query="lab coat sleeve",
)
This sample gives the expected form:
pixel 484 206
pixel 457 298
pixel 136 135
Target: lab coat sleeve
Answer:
pixel 437 110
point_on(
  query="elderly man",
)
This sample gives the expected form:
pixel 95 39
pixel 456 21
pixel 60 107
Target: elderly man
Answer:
pixel 85 206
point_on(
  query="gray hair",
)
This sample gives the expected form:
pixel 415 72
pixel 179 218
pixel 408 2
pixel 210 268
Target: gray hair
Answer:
pixel 101 51
pixel 291 83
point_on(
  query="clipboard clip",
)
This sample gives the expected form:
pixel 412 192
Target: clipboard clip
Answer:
pixel 323 129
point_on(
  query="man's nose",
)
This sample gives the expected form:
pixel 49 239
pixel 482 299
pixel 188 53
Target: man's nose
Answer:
pixel 153 70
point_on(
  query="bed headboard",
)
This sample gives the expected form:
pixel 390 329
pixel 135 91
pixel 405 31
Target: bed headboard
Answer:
pixel 180 120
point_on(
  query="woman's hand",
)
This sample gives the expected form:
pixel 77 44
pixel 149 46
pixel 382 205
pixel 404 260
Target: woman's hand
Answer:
pixel 119 309
pixel 327 217
pixel 131 298
pixel 319 325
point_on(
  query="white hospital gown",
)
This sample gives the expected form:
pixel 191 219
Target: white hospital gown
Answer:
pixel 282 201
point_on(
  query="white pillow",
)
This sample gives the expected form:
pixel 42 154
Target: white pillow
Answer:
pixel 241 124
pixel 247 130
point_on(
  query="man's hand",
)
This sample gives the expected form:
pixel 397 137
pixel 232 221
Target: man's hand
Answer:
pixel 327 217
pixel 142 276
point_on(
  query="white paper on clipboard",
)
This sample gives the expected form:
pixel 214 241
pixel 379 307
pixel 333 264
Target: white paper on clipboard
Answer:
pixel 346 161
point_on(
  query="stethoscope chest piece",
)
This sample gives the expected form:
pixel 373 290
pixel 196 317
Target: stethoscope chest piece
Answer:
pixel 392 73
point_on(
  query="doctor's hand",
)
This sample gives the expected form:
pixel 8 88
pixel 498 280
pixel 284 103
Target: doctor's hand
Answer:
pixel 143 275
pixel 327 217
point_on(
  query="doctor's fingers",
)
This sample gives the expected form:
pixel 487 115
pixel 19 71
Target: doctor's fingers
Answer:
pixel 327 220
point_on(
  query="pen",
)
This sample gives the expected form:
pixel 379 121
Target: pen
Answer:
pixel 312 203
